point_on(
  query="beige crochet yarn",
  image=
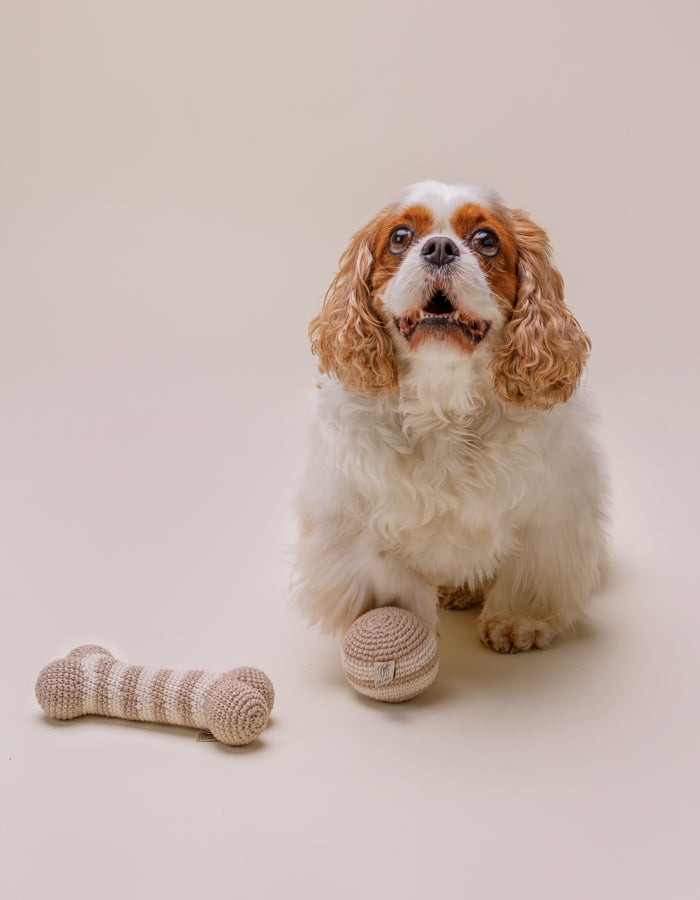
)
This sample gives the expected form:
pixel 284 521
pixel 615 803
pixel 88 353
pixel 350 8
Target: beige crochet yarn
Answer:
pixel 390 654
pixel 233 705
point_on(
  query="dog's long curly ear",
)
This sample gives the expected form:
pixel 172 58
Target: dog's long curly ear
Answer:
pixel 348 336
pixel 545 349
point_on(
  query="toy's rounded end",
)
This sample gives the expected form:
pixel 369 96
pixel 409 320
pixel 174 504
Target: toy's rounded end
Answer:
pixel 257 679
pixel 89 650
pixel 236 713
pixel 59 688
pixel 390 654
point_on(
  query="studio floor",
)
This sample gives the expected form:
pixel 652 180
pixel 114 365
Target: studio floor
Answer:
pixel 178 185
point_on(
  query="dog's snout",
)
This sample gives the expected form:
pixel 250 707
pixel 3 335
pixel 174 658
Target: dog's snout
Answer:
pixel 440 250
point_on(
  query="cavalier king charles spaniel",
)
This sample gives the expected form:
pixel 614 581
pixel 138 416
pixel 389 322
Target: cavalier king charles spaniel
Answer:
pixel 451 460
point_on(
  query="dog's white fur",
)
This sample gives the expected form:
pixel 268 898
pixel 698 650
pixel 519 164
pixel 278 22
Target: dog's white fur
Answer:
pixel 441 482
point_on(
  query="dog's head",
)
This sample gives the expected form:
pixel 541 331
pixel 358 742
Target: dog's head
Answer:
pixel 449 274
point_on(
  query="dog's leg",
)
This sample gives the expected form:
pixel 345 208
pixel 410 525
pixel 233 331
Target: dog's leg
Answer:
pixel 394 583
pixel 340 574
pixel 543 588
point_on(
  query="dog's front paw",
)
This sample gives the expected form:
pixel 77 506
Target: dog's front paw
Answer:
pixel 459 597
pixel 510 634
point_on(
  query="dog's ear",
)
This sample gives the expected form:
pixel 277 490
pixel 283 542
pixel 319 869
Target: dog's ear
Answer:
pixel 348 335
pixel 545 350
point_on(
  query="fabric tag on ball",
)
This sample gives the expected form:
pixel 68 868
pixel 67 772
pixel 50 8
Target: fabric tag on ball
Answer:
pixel 384 672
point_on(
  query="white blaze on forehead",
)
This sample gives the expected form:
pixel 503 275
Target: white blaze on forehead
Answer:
pixel 443 200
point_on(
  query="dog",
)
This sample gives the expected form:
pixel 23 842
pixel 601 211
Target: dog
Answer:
pixel 451 454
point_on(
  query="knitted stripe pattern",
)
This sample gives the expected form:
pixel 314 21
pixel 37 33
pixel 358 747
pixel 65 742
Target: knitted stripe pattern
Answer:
pixel 390 654
pixel 234 705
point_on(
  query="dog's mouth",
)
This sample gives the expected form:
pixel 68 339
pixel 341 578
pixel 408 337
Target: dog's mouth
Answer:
pixel 440 319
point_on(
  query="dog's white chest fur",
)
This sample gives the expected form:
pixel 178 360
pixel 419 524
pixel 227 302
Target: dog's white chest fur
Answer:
pixel 442 495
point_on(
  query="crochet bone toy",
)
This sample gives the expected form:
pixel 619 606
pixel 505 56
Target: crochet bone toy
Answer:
pixel 234 706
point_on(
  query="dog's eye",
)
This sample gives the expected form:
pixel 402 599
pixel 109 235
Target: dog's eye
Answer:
pixel 399 239
pixel 484 242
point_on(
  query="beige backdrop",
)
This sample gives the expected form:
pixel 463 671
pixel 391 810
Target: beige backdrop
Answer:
pixel 178 181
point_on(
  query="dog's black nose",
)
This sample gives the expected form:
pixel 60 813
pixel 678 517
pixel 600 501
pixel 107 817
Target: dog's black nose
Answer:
pixel 440 250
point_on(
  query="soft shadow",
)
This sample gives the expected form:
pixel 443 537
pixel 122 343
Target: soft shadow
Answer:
pixel 467 665
pixel 181 732
pixel 618 573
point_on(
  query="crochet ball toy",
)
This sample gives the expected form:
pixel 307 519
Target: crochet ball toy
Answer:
pixel 233 706
pixel 390 654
